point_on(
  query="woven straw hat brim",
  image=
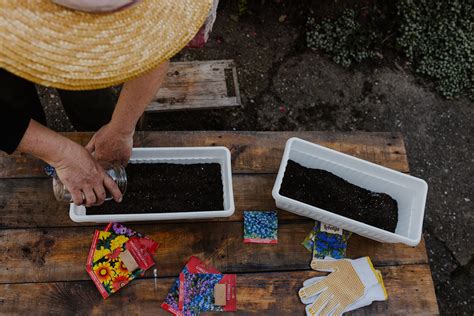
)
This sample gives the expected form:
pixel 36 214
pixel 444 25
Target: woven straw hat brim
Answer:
pixel 57 47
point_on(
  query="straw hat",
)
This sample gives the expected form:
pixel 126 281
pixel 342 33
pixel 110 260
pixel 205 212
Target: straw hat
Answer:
pixel 63 48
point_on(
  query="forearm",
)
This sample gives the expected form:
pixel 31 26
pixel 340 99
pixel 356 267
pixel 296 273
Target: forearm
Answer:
pixel 44 143
pixel 135 96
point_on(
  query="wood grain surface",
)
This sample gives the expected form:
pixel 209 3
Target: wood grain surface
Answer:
pixel 193 85
pixel 252 152
pixel 44 253
pixel 59 254
pixel 409 287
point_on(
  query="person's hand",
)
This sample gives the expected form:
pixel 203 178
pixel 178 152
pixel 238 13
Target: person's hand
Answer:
pixel 110 144
pixel 84 177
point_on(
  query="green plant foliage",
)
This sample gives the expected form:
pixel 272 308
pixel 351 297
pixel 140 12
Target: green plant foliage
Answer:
pixel 343 38
pixel 438 37
pixel 243 7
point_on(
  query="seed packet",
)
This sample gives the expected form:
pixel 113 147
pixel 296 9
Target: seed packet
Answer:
pixel 260 227
pixel 206 292
pixel 110 273
pixel 116 259
pixel 113 235
pixel 329 241
pixel 194 265
pixel 145 241
pixel 308 241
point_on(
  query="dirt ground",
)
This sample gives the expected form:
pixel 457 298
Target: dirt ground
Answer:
pixel 285 86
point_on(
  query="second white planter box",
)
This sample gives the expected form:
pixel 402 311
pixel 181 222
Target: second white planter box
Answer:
pixel 410 192
pixel 181 155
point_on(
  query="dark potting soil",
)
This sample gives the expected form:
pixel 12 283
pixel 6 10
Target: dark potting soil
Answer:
pixel 165 188
pixel 325 190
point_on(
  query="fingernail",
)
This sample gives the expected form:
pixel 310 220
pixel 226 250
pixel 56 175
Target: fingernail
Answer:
pixel 120 200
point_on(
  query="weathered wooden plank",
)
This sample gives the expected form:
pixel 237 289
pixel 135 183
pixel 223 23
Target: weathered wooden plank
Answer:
pixel 197 71
pixel 409 287
pixel 59 254
pixel 198 85
pixel 193 103
pixel 252 152
pixel 30 202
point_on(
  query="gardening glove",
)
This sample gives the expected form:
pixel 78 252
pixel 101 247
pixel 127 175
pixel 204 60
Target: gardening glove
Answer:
pixel 375 293
pixel 348 282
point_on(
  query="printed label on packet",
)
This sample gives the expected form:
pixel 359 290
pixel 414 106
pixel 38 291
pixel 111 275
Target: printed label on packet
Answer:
pixel 143 258
pixel 331 229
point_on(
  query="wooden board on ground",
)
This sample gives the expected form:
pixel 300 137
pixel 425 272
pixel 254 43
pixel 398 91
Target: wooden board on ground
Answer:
pixel 43 252
pixel 195 85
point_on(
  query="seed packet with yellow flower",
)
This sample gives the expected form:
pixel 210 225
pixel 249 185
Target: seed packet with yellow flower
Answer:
pixel 116 259
pixel 107 241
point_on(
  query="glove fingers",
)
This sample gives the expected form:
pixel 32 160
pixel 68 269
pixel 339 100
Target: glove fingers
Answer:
pixel 329 308
pixel 313 280
pixel 309 282
pixel 325 265
pixel 338 311
pixel 312 290
pixel 315 308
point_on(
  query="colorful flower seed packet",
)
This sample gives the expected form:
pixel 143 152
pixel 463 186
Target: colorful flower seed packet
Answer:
pixel 194 265
pixel 308 241
pixel 106 261
pixel 110 274
pixel 329 241
pixel 260 227
pixel 197 293
pixel 103 244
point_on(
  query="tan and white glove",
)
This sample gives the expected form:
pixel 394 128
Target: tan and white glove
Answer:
pixel 350 285
pixel 374 293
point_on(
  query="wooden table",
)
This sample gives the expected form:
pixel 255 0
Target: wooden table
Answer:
pixel 43 252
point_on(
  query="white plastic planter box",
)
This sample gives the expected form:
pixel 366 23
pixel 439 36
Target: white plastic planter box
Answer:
pixel 410 192
pixel 181 155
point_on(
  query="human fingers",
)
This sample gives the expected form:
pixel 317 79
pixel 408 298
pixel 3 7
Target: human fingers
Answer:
pixel 112 187
pixel 91 145
pixel 99 191
pixel 76 196
pixel 90 197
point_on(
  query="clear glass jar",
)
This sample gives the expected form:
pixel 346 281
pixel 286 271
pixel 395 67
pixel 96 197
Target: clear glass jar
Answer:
pixel 116 172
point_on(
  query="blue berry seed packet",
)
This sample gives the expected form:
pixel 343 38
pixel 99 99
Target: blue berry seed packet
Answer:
pixel 260 227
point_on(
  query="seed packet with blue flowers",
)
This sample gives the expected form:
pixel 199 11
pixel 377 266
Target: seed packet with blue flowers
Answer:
pixel 329 241
pixel 194 265
pixel 204 292
pixel 260 227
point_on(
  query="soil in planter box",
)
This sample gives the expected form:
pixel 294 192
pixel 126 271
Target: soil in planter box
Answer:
pixel 325 190
pixel 166 188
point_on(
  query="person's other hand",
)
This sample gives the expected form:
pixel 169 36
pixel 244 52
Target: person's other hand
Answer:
pixel 84 177
pixel 111 145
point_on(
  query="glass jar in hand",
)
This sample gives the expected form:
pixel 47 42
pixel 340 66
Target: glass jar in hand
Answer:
pixel 116 172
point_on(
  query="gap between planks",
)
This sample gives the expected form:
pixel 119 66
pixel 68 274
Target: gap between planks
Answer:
pixel 252 152
pixel 409 287
pixel 60 254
